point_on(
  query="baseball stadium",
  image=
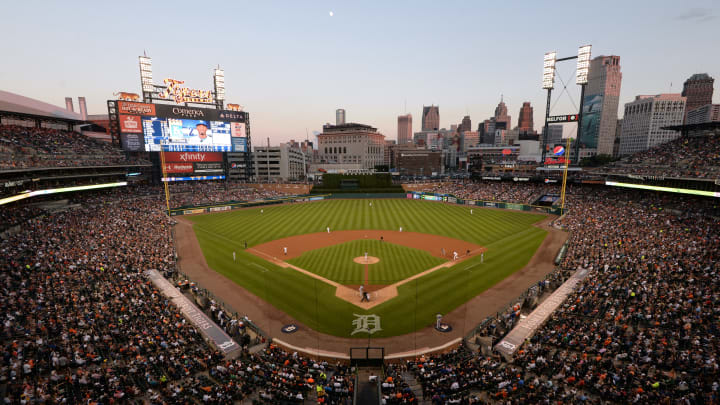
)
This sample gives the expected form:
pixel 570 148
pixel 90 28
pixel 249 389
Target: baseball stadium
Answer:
pixel 160 253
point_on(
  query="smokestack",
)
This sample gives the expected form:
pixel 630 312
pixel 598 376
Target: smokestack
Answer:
pixel 69 104
pixel 83 108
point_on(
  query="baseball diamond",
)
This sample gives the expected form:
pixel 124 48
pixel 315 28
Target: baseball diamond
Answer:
pixel 302 263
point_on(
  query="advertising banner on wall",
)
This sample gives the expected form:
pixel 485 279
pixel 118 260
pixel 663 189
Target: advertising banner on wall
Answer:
pixel 132 142
pixel 130 124
pixel 193 157
pixel 592 110
pixel 179 167
pixel 127 107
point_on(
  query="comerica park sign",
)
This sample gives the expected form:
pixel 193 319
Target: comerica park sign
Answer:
pixel 180 95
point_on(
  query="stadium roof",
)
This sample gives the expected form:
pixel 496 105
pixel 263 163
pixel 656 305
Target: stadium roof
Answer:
pixel 15 103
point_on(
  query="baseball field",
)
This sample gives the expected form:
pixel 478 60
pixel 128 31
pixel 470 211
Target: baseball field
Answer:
pixel 295 264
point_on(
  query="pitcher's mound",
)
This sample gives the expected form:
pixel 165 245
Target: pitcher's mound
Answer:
pixel 370 260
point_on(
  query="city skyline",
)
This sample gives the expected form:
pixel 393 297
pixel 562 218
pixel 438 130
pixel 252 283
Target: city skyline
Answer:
pixel 90 58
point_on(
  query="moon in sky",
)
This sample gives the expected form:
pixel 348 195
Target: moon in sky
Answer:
pixel 331 13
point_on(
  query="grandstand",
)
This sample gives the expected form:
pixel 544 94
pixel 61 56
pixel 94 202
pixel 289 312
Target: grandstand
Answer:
pixel 82 323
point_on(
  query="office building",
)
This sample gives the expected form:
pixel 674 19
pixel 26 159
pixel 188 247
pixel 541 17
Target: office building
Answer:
pixel 600 106
pixel 525 119
pixel 351 144
pixel 430 118
pixel 501 116
pixel 284 163
pixel 704 114
pixel 644 119
pixel 465 125
pixel 698 90
pixel 405 134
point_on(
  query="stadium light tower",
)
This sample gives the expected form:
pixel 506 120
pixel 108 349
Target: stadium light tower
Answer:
pixel 548 83
pixel 146 82
pixel 583 68
pixel 219 82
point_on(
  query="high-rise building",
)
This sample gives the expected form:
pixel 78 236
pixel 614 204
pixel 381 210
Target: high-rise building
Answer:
pixel 430 118
pixel 600 106
pixel 525 120
pixel 405 134
pixel 339 116
pixel 351 144
pixel 644 119
pixel 465 125
pixel 698 90
pixel 501 115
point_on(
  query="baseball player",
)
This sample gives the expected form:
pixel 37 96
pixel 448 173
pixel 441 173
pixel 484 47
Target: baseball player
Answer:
pixel 455 255
pixel 285 250
pixel 365 257
pixel 401 229
pixel 482 257
pixel 328 229
pixel 233 256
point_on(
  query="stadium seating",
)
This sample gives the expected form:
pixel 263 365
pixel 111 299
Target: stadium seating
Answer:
pixel 691 157
pixel 24 147
pixel 80 323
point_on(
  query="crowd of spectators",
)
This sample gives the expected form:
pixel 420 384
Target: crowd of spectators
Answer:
pixel 692 157
pixel 526 193
pixel 81 324
pixel 205 193
pixel 25 147
pixel 641 328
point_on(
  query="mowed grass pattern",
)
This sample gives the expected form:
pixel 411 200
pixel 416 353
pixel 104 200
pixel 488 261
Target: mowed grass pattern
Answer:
pixel 396 262
pixel 509 237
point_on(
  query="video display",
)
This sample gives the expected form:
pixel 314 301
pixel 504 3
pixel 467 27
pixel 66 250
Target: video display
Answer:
pixel 170 128
pixel 179 135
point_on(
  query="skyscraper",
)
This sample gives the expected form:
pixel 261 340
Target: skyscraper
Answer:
pixel 501 114
pixel 525 120
pixel 645 118
pixel 404 134
pixel 339 116
pixel 600 106
pixel 698 90
pixel 431 118
pixel 465 125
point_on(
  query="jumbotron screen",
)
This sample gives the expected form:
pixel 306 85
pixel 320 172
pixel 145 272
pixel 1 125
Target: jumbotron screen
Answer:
pixel 156 127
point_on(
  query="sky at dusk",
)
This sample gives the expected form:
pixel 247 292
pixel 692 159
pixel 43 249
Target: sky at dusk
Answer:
pixel 291 63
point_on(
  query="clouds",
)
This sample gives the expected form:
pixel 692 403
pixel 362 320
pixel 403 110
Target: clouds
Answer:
pixel 696 15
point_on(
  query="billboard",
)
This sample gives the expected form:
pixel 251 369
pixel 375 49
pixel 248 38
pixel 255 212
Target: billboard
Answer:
pixel 191 157
pixel 179 168
pixel 174 128
pixel 592 110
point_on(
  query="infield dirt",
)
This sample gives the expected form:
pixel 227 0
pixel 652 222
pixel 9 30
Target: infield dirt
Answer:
pixel 464 318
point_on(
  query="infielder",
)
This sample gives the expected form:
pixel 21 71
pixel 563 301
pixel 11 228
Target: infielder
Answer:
pixel 455 255
pixel 401 229
pixel 328 229
pixel 285 250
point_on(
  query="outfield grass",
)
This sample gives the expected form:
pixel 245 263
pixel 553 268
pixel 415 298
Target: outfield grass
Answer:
pixel 509 237
pixel 396 262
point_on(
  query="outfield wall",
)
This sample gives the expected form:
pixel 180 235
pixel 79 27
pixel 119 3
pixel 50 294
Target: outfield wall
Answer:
pixel 414 195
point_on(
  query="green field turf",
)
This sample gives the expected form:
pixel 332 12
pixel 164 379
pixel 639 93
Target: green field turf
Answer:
pixel 396 262
pixel 509 237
